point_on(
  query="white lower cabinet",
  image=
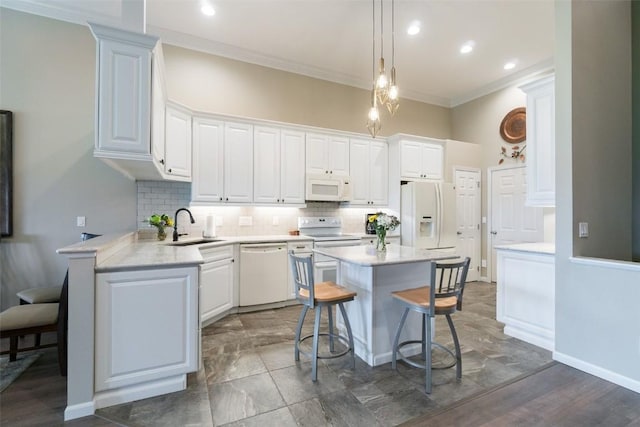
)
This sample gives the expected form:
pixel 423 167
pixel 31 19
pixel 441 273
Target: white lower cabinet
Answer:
pixel 525 298
pixel 216 282
pixel 146 326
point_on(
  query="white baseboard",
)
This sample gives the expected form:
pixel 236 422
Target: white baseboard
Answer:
pixel 597 371
pixel 71 412
pixel 140 391
pixel 546 342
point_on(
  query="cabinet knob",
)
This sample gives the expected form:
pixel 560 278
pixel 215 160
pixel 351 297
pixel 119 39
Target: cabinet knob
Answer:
pixel 162 161
pixel 220 198
pixel 326 171
pixel 494 232
pixel 282 200
pixel 226 200
pixel 169 170
pixel 330 171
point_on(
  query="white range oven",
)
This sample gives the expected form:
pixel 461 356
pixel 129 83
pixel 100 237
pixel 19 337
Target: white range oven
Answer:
pixel 326 232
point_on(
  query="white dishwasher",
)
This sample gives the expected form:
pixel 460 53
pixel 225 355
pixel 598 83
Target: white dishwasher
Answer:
pixel 263 273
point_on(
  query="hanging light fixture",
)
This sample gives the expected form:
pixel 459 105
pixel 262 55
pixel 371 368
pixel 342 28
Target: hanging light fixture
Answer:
pixel 385 91
pixel 373 118
pixel 382 83
pixel 393 102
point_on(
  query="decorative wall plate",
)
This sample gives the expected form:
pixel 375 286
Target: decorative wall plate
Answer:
pixel 513 128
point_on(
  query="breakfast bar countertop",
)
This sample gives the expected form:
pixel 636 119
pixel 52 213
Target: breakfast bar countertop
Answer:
pixel 367 255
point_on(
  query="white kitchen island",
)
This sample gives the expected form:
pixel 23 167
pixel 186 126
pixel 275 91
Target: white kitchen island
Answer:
pixel 374 315
pixel 525 299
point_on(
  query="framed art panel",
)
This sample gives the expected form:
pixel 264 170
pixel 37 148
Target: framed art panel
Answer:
pixel 6 173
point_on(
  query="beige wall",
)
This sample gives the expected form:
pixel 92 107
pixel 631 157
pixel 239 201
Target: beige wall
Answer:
pixel 47 80
pixel 601 99
pixel 219 85
pixel 597 316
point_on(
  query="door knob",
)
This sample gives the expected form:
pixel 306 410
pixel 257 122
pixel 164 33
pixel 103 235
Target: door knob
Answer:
pixel 458 232
pixel 494 232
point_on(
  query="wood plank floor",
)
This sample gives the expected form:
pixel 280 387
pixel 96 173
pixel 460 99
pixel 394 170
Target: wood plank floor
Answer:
pixel 555 395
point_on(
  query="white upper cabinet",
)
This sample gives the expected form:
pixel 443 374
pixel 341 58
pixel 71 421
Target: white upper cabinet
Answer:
pixel 222 161
pixel 292 169
pixel 369 168
pixel 278 165
pixel 421 160
pixel 541 154
pixel 131 101
pixel 177 160
pixel 327 154
pixel 238 162
pixel 124 91
pixel 208 160
pixel 266 163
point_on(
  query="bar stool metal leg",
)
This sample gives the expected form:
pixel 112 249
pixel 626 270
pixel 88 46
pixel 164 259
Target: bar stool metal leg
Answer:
pixel 316 335
pixel 427 339
pixel 296 346
pixel 330 313
pixel 396 340
pixel 349 334
pixel 457 345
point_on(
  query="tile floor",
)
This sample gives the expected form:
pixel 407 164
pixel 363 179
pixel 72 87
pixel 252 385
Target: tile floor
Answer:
pixel 249 377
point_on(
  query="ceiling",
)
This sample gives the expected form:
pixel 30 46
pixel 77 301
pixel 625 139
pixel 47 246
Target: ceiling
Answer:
pixel 332 39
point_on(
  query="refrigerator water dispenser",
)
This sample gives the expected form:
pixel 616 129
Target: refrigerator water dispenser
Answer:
pixel 426 227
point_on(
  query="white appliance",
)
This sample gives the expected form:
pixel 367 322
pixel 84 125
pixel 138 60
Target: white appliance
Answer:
pixel 326 232
pixel 428 215
pixel 328 188
pixel 263 273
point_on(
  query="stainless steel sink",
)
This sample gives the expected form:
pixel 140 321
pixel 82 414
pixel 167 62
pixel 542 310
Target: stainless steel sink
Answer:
pixel 193 242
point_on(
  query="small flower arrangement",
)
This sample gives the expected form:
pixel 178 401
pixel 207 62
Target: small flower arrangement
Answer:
pixel 160 222
pixel 383 223
pixel 516 153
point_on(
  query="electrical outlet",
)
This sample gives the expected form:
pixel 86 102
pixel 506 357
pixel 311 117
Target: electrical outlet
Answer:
pixel 483 263
pixel 245 221
pixel 276 220
pixel 583 229
pixel 81 221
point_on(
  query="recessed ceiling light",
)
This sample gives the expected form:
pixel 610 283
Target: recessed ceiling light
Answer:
pixel 207 9
pixel 510 65
pixel 414 28
pixel 467 47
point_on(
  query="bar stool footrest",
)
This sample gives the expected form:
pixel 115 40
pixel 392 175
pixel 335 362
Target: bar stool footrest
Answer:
pixel 406 360
pixel 340 338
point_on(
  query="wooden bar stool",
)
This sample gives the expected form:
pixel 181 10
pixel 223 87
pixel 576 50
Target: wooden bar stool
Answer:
pixel 448 280
pixel 317 296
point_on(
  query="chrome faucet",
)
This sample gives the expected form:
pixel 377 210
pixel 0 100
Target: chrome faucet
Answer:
pixel 175 222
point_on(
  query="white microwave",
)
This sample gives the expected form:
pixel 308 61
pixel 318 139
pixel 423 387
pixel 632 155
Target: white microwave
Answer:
pixel 328 188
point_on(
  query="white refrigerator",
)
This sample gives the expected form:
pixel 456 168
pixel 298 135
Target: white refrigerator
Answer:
pixel 428 215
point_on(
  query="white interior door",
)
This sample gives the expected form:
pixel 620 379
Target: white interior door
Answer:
pixel 468 218
pixel 510 220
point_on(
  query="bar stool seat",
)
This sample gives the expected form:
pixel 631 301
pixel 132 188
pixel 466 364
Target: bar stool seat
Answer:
pixel 317 296
pixel 448 281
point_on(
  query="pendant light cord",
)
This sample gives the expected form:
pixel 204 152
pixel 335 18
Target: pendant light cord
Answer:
pixel 393 34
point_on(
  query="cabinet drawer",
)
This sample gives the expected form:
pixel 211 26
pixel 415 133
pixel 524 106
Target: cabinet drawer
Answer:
pixel 214 254
pixel 300 246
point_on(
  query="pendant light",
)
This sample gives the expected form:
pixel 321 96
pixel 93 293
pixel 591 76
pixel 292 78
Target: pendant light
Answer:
pixel 385 91
pixel 382 83
pixel 392 94
pixel 373 118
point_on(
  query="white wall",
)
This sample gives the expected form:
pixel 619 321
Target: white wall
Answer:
pixel 47 79
pixel 597 316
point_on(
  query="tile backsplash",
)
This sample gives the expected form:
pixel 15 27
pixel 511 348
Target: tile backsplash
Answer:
pixel 166 197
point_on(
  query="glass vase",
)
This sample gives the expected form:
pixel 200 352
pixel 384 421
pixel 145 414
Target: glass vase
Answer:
pixel 162 234
pixel 381 244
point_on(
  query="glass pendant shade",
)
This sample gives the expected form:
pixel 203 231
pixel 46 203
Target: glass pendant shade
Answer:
pixel 373 118
pixel 393 101
pixel 382 84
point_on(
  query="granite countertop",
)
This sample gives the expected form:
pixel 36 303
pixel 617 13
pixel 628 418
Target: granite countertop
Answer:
pixel 369 256
pixel 537 247
pixel 127 251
